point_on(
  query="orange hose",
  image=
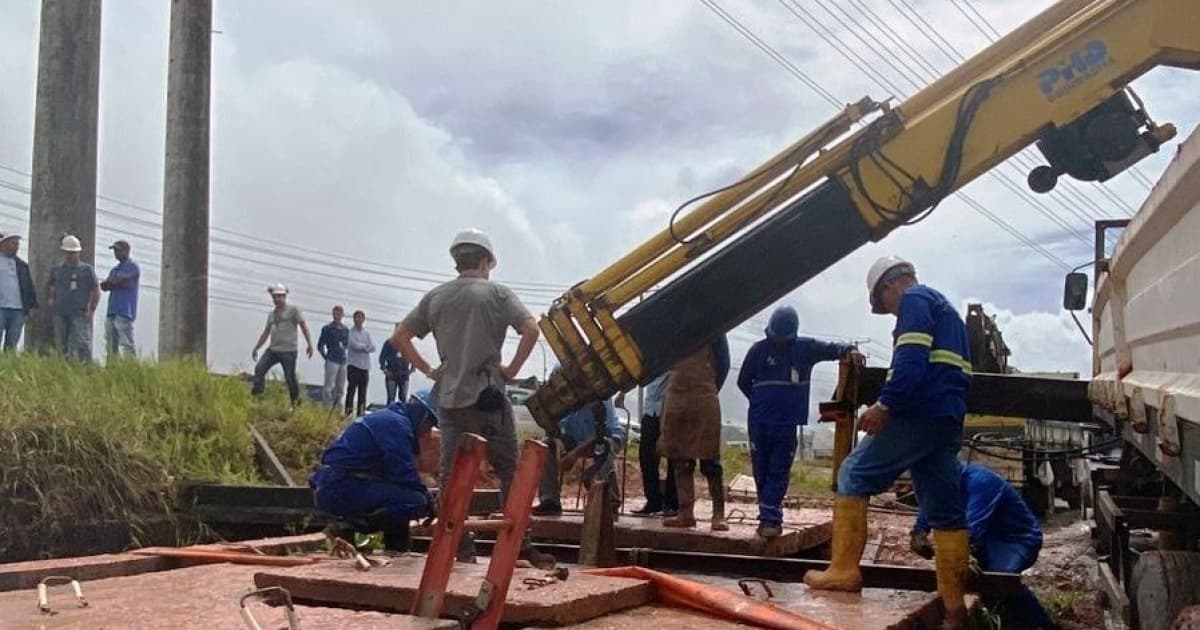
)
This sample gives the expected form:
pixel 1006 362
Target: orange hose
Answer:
pixel 206 556
pixel 715 600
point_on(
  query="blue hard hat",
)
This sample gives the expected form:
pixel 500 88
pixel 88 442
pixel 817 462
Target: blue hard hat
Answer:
pixel 784 324
pixel 421 403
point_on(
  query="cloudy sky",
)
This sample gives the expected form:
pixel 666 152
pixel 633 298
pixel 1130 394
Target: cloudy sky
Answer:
pixel 350 144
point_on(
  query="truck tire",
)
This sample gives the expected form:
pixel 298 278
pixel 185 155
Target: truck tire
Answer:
pixel 1164 583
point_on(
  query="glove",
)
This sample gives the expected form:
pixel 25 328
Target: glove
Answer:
pixel 918 543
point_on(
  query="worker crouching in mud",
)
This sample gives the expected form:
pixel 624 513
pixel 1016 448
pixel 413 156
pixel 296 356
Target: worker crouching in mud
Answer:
pixel 368 476
pixel 691 430
pixel 1005 537
pixel 916 425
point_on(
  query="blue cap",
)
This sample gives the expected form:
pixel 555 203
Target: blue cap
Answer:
pixel 784 325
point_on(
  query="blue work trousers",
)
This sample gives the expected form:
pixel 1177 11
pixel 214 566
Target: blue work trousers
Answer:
pixel 772 452
pixel 345 495
pixel 928 449
pixel 1021 609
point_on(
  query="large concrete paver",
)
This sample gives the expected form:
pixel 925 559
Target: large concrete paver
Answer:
pixel 194 598
pixel 393 587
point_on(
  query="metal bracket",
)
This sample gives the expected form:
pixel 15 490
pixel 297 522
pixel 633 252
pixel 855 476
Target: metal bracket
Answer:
pixel 1137 411
pixel 263 594
pixel 1168 427
pixel 746 583
pixel 51 580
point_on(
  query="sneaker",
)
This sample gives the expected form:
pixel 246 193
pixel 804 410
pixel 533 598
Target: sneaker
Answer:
pixel 647 510
pixel 769 531
pixel 548 508
pixel 670 512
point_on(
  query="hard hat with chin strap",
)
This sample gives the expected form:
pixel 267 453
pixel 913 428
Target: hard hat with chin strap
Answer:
pixel 472 236
pixel 879 271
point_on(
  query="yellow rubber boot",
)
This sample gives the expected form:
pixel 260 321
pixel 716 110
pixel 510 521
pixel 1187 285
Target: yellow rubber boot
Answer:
pixel 952 557
pixel 849 538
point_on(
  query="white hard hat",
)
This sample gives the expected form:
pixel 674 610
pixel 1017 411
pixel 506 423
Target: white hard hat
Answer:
pixel 277 289
pixel 878 271
pixel 71 244
pixel 472 236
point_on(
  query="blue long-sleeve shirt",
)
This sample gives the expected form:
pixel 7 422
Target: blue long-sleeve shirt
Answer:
pixel 994 511
pixel 332 343
pixel 580 426
pixel 393 363
pixel 380 444
pixel 775 377
pixel 931 362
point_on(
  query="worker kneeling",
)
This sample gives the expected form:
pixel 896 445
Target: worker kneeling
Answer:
pixel 1005 537
pixel 916 425
pixel 368 476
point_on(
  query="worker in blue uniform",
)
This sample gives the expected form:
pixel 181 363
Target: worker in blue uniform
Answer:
pixel 576 429
pixel 775 378
pixel 368 476
pixel 915 425
pixel 1005 537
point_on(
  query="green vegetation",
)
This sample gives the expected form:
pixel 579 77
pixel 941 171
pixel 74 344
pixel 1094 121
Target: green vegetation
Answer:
pixel 808 478
pixel 84 447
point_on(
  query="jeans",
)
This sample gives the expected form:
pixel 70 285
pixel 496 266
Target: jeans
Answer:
pixel 1021 609
pixel 335 383
pixel 500 431
pixel 268 361
pixel 656 497
pixel 118 333
pixel 73 336
pixel 772 452
pixel 928 448
pixel 356 388
pixel 397 389
pixel 12 322
pixel 550 488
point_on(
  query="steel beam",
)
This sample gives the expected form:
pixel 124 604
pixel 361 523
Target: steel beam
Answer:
pixel 775 569
pixel 1007 395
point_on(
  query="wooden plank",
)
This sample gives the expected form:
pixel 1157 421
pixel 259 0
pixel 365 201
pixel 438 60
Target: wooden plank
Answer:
pixel 393 588
pixel 26 575
pixel 267 461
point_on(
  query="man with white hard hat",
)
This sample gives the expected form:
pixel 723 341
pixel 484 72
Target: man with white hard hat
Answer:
pixel 17 293
pixel 469 317
pixel 282 323
pixel 74 295
pixel 915 425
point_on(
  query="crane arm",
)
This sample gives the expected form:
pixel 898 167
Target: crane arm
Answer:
pixel 1058 80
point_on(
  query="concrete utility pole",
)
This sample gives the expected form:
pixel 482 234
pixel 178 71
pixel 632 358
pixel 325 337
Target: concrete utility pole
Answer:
pixel 64 145
pixel 183 310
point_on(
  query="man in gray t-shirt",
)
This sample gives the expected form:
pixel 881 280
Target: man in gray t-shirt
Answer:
pixel 282 324
pixel 469 317
pixel 74 295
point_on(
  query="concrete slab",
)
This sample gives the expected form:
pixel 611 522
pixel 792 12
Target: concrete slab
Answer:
pixel 393 587
pixel 22 575
pixel 195 598
pixel 648 532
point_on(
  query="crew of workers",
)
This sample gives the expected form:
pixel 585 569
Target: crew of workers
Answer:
pixel 73 294
pixel 916 424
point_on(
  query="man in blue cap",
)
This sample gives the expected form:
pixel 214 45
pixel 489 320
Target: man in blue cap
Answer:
pixel 775 377
pixel 368 476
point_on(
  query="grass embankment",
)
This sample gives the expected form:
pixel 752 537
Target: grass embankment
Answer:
pixel 89 446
